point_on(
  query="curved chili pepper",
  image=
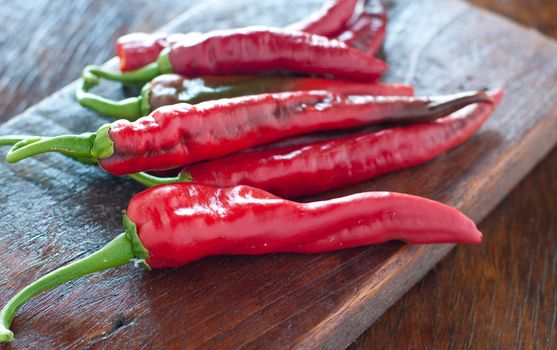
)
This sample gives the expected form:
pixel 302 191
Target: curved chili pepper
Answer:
pixel 262 50
pixel 367 31
pixel 251 50
pixel 137 50
pixel 330 19
pixel 168 89
pixel 173 225
pixel 290 172
pixel 178 135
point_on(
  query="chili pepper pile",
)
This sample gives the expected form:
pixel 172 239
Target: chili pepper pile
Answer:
pixel 235 113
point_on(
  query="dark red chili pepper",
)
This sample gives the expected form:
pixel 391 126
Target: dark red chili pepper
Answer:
pixel 170 89
pixel 367 31
pixel 137 50
pixel 330 19
pixel 173 225
pixel 252 51
pixel 178 135
pixel 292 171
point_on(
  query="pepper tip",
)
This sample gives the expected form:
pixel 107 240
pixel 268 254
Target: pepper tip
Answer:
pixel 496 95
pixel 89 78
pixel 477 238
pixel 6 335
pixel 12 157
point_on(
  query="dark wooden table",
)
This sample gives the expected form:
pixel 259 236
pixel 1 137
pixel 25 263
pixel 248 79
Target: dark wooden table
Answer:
pixel 502 294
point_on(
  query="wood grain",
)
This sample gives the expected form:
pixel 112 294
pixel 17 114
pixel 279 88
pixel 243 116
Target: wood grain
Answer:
pixel 503 295
pixel 324 300
pixel 44 44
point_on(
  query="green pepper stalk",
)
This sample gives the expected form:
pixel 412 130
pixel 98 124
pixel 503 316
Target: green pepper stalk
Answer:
pixel 148 180
pixel 130 108
pixel 91 74
pixel 86 148
pixel 169 89
pixel 121 250
pixel 116 253
pixel 10 140
pixel 20 141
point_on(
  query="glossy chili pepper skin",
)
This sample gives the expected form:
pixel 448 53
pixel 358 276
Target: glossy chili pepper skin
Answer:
pixel 257 50
pixel 137 50
pixel 317 167
pixel 170 89
pixel 367 31
pixel 329 20
pixel 178 135
pixel 173 225
pixel 181 223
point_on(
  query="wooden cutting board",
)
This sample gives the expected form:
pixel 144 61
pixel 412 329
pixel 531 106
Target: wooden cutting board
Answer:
pixel 54 210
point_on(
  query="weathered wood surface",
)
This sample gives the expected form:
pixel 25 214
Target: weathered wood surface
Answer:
pixel 54 210
pixel 44 44
pixel 503 294
pixel 500 295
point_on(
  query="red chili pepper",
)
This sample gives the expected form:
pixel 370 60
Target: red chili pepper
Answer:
pixel 292 171
pixel 137 50
pixel 330 19
pixel 367 31
pixel 168 89
pixel 173 225
pixel 178 135
pixel 255 50
pixel 251 51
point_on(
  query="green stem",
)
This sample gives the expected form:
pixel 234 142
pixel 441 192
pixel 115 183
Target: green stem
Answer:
pixel 75 146
pixel 116 253
pixel 151 180
pixel 19 141
pixel 91 75
pixel 163 65
pixel 86 148
pixel 129 108
pixel 10 140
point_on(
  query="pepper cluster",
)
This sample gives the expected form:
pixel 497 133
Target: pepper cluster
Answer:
pixel 234 114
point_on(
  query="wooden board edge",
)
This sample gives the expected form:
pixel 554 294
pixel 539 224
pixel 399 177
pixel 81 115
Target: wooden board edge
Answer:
pixel 373 301
pixel 330 333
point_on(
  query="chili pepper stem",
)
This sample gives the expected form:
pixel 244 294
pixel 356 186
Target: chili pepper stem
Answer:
pixel 129 108
pixel 116 253
pixel 86 148
pixel 10 140
pixel 77 146
pixel 92 73
pixel 24 140
pixel 149 180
